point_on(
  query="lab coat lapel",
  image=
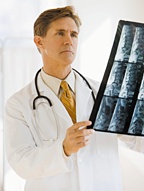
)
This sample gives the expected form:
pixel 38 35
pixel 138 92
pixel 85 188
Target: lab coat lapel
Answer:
pixel 83 99
pixel 58 107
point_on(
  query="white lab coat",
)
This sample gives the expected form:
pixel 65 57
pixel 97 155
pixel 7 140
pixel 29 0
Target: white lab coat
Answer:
pixel 36 156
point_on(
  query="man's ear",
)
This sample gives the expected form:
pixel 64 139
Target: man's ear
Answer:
pixel 38 41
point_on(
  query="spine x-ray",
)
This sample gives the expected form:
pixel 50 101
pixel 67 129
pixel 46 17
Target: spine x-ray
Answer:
pixel 119 106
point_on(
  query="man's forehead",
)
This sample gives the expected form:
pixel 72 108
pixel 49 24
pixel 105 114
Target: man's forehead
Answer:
pixel 65 23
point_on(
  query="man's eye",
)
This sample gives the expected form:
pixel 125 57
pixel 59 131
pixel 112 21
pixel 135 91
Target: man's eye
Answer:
pixel 74 35
pixel 60 33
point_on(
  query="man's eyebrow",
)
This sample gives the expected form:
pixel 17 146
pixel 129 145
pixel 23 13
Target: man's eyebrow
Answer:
pixel 63 30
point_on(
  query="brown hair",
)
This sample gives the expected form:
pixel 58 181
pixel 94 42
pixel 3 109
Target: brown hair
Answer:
pixel 47 17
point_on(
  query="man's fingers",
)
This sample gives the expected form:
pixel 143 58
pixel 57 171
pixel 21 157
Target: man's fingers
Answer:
pixel 83 139
pixel 80 125
pixel 83 144
pixel 83 132
pixel 77 136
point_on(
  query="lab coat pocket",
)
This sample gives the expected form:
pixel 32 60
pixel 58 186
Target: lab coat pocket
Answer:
pixel 46 123
pixel 106 145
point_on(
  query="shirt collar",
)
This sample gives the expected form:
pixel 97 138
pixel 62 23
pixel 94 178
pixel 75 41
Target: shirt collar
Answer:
pixel 54 83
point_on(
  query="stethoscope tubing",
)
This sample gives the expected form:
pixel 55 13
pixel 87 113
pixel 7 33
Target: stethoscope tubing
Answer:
pixel 48 100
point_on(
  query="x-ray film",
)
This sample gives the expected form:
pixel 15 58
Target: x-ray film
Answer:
pixel 119 106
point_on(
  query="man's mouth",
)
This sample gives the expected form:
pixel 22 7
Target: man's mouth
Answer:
pixel 67 51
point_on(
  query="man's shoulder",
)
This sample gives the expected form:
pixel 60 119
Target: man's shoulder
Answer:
pixel 22 94
pixel 93 83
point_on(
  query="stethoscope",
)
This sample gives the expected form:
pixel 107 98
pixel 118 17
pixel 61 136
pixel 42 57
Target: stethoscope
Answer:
pixel 39 96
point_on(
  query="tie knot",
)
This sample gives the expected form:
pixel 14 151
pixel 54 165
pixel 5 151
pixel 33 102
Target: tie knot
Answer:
pixel 64 85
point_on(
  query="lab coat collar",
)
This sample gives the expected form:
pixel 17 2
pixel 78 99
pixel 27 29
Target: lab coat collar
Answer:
pixel 40 84
pixel 83 94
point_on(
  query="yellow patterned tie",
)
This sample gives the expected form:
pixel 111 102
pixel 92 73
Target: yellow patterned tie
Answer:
pixel 68 100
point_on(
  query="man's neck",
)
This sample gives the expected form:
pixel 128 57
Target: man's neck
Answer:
pixel 58 72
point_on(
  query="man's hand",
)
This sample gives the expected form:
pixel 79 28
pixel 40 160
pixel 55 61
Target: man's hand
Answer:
pixel 77 136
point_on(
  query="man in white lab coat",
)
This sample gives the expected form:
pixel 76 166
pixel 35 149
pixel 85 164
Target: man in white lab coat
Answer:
pixel 43 144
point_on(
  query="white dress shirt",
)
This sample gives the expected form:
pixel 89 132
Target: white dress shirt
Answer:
pixel 54 83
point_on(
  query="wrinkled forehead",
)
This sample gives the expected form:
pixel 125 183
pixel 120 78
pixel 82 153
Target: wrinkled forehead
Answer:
pixel 64 23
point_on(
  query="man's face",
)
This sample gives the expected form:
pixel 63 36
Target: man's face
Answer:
pixel 60 42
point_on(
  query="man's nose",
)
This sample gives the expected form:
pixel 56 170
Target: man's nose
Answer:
pixel 68 40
